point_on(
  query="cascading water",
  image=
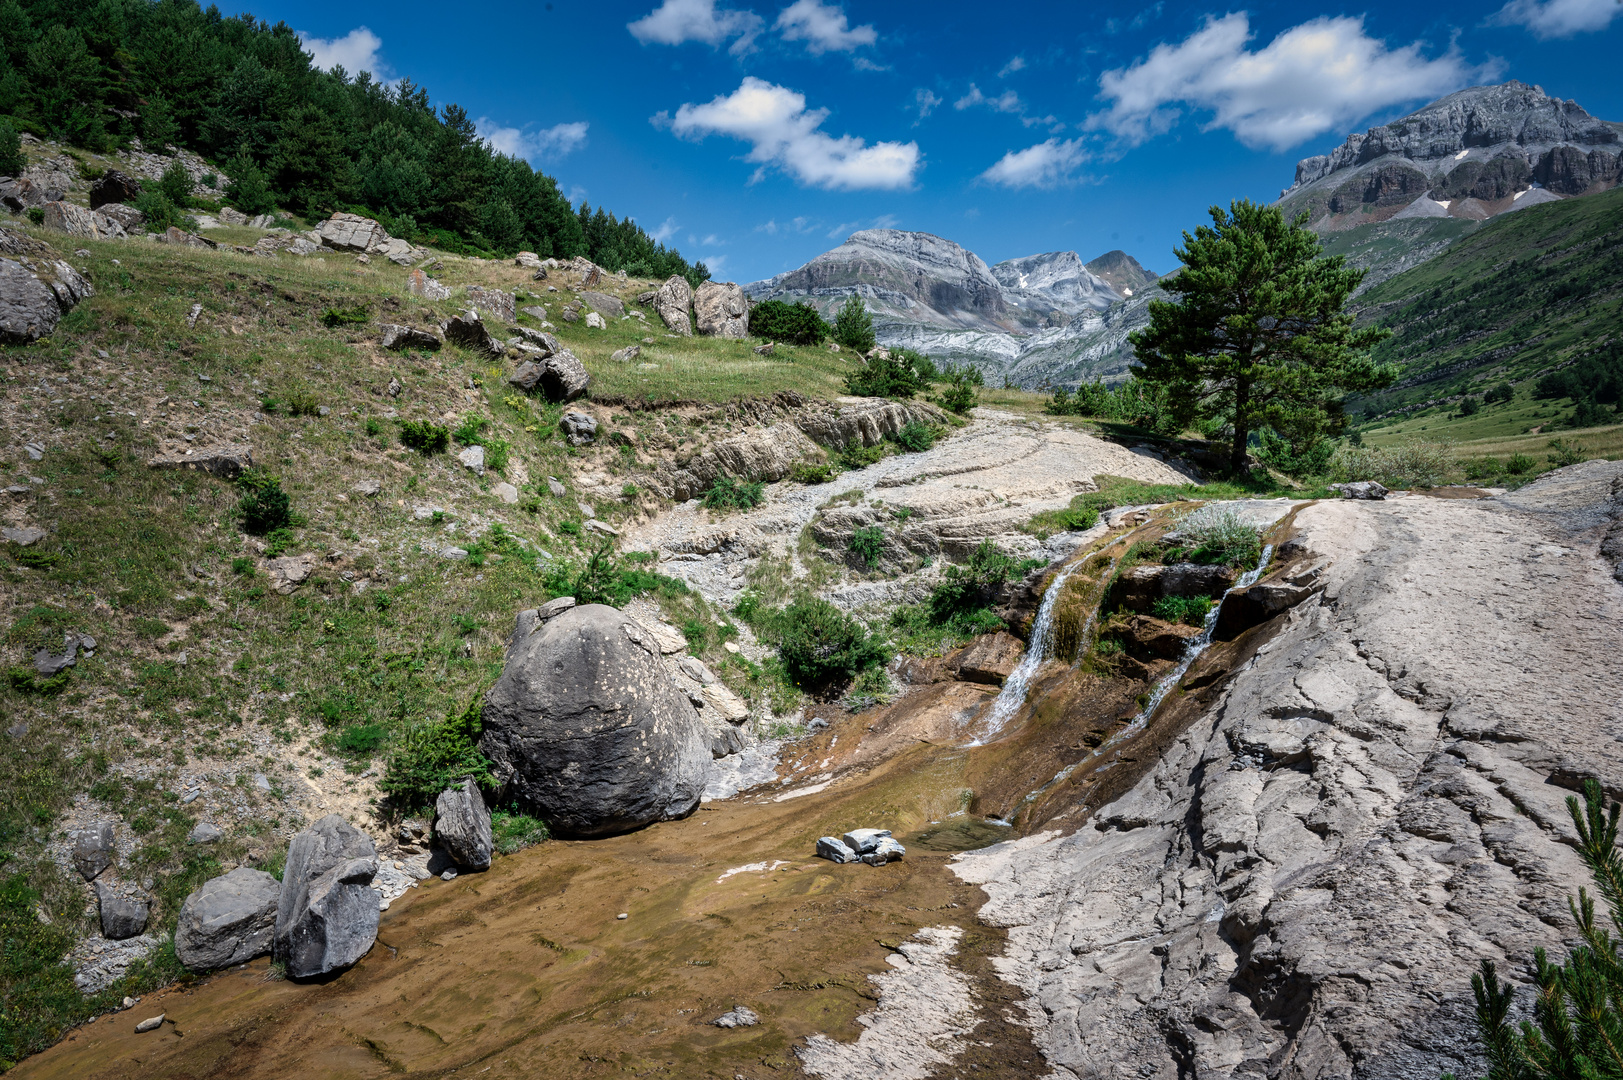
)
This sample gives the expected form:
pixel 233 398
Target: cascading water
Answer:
pixel 1193 649
pixel 1042 631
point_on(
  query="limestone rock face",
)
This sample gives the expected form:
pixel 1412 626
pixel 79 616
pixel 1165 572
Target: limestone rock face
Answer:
pixel 586 728
pixel 610 307
pixel 127 217
pixel 495 303
pixel 326 913
pixel 462 826
pixel 223 460
pixel 672 302
pixel 34 295
pixel 720 309
pixel 425 287
pixel 229 920
pixel 113 187
pixel 351 232
pixel 82 223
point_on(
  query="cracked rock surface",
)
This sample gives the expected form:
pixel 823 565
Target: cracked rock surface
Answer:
pixel 1304 883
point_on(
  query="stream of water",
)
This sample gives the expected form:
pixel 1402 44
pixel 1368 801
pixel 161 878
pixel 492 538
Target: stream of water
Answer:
pixel 1019 681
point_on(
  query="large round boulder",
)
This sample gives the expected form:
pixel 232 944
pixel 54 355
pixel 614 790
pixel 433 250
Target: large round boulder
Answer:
pixel 586 729
pixel 230 920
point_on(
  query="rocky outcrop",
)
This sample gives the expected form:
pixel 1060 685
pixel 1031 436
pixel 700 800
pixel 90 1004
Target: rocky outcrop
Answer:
pixel 424 287
pixel 720 309
pixel 397 337
pixel 93 849
pixel 23 192
pixel 326 913
pixel 122 916
pixel 469 331
pixel 585 728
pixel 1303 882
pixel 35 292
pixel 127 217
pixel 610 307
pixel 462 826
pixel 351 232
pixel 229 920
pixel 560 376
pixel 1055 282
pixel 766 454
pixel 578 428
pixel 223 460
pixel 78 222
pixel 493 303
pixel 672 302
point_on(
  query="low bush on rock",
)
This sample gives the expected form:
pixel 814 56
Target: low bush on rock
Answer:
pixel 264 507
pixel 1185 609
pixel 1216 534
pixel 818 644
pixel 605 580
pixel 960 606
pixel 1416 464
pixel 960 396
pixel 868 544
pixel 809 473
pixel 1134 402
pixel 424 436
pixel 917 437
pixel 729 494
pixel 515 832
pixel 434 755
pixel 898 376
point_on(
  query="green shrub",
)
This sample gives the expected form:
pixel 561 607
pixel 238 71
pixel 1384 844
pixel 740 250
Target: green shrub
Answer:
pixel 916 436
pixel 729 494
pixel 1186 609
pixel 1308 456
pixel 176 183
pixel 1135 402
pixel 424 436
pixel 853 326
pixel 602 580
pixel 161 212
pixel 1218 534
pixel 1414 464
pixel 515 832
pixel 969 588
pixel 354 315
pixel 1469 406
pixel 434 755
pixel 807 472
pixel 960 396
pixel 249 189
pixel 1503 392
pixel 892 376
pixel 264 506
pixel 868 544
pixel 301 401
pixel 278 541
pixel 856 456
pixel 361 740
pixel 36 214
pixel 819 644
pixel 242 565
pixel 12 162
pixel 374 427
pixel 1567 453
pixel 795 324
pixel 1519 464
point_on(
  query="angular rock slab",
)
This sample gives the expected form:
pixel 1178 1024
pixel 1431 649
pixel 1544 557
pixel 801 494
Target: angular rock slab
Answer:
pixel 672 302
pixel 93 849
pixel 35 296
pixel 113 187
pixel 399 337
pixel 351 232
pixel 229 920
pixel 585 727
pixel 835 850
pixel 327 912
pixel 121 917
pixel 462 826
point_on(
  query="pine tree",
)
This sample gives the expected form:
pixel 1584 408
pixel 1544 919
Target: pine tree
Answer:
pixel 853 326
pixel 1259 334
pixel 159 129
pixel 12 162
pixel 249 190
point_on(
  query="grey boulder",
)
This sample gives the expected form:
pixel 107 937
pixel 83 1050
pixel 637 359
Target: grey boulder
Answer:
pixel 578 428
pixel 585 727
pixel 122 917
pixel 398 337
pixel 560 377
pixel 835 850
pixel 495 303
pixel 326 914
pixel 77 221
pixel 351 232
pixel 672 302
pixel 1361 489
pixel 230 920
pixel 462 826
pixel 113 187
pixel 35 294
pixel 720 309
pixel 93 849
pixel 469 331
pixel 610 307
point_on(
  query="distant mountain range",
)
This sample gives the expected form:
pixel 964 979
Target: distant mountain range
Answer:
pixel 1388 199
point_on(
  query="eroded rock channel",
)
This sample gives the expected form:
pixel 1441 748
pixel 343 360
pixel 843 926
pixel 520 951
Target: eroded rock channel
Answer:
pixel 1287 867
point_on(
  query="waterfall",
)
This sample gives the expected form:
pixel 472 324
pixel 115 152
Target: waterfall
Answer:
pixel 1042 630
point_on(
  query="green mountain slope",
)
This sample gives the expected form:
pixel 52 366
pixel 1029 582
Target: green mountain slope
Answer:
pixel 1526 293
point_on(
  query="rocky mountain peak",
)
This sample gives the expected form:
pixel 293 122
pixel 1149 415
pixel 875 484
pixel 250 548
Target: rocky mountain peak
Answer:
pixel 1055 281
pixel 1123 272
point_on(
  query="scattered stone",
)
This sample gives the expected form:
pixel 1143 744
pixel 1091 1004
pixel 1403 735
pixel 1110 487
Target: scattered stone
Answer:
pixel 694 668
pixel 224 461
pixel 862 841
pixel 1244 608
pixel 448 874
pixel 556 487
pixel 47 663
pixel 17 731
pixel 230 215
pixel 627 354
pixel 540 338
pixel 763 350
pixel 831 848
pixel 326 913
pixel 493 303
pixel 506 492
pixel 672 302
pixel 1360 489
pixel 394 387
pixel 600 526
pixel 579 428
pixel 203 833
pixel 399 337
pixel 127 216
pixel 24 535
pixel 289 572
pixel 368 488
pixel 569 314
pixel 741 1016
pixel 191 316
pixel 473 459
pixel 454 553
pixel 426 288
pixel 646 298
pixel 726 704
pixel 351 232
pixel 610 307
pixel 93 849
pixel 470 332
pixel 585 726
pixel 151 1023
pixel 114 187
pixel 624 915
pixel 594 321
pixel 182 238
pixel 462 826
pixel 720 309
pixel 122 917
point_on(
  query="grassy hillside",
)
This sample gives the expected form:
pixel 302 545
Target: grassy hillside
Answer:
pixel 1528 292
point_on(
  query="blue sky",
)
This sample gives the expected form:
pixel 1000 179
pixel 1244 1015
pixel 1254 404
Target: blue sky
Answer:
pixel 755 135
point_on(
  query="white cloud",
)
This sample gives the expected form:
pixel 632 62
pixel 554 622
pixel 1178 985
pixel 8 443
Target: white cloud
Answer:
pixel 552 143
pixel 1017 64
pixel 770 228
pixel 774 119
pixel 925 102
pixel 1046 165
pixel 716 264
pixel 356 51
pixel 665 231
pixel 711 240
pixel 1559 18
pixel 1006 102
pixel 676 21
pixel 1320 76
pixel 822 27
pixel 846 228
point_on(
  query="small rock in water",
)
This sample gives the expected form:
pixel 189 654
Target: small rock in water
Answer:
pixel 741 1016
pixel 151 1023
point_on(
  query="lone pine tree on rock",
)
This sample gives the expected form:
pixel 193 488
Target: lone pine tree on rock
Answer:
pixel 1259 335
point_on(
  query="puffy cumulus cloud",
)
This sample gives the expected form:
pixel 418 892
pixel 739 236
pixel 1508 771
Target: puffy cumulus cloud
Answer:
pixel 1320 76
pixel 355 52
pixel 676 21
pixel 1048 164
pixel 822 27
pixel 783 133
pixel 1559 18
pixel 552 143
